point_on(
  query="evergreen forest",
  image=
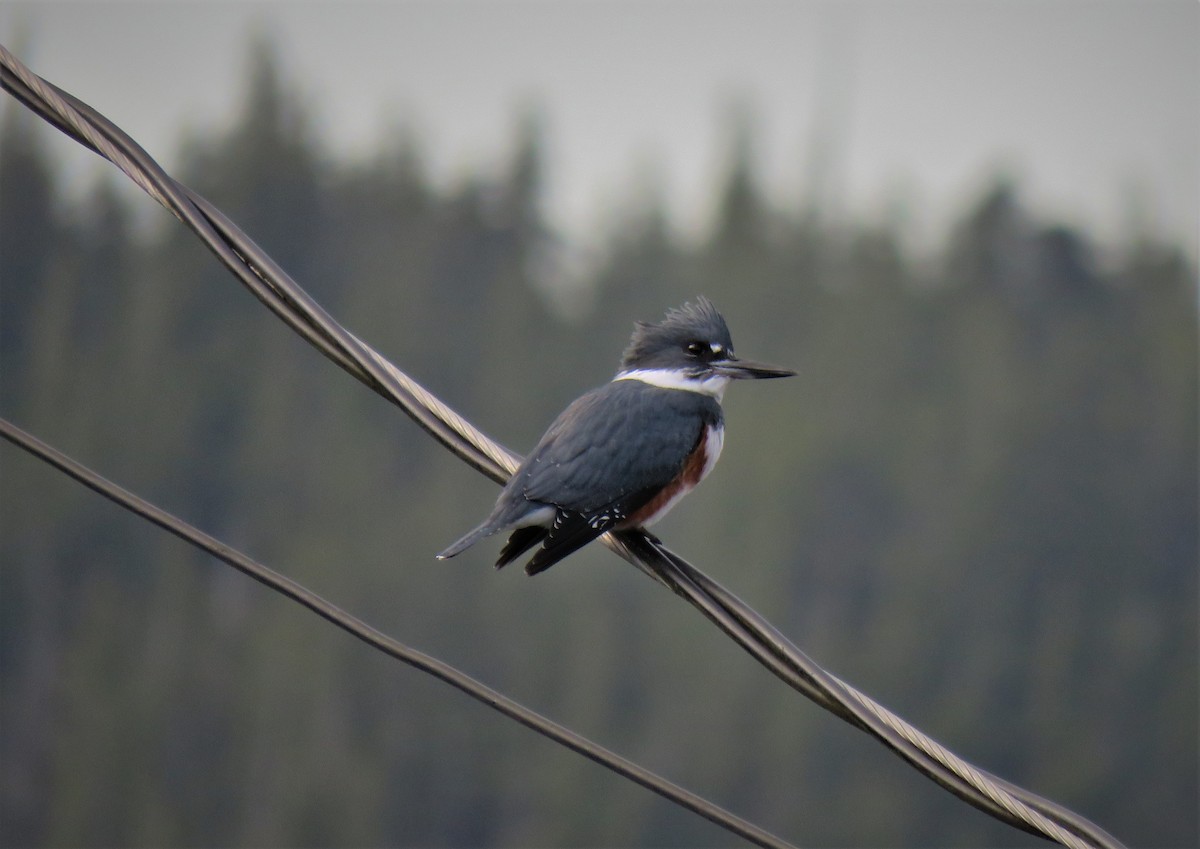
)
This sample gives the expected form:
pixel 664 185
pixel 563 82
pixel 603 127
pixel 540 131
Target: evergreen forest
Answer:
pixel 977 502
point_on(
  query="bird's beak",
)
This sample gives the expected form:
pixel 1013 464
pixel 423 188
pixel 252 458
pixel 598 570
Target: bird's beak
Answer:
pixel 736 369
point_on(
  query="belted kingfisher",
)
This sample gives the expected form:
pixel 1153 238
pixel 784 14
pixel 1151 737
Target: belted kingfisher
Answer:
pixel 622 455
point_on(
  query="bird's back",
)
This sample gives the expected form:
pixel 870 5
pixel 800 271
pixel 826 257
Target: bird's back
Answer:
pixel 622 438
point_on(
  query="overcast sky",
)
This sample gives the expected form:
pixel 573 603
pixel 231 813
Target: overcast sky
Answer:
pixel 1085 103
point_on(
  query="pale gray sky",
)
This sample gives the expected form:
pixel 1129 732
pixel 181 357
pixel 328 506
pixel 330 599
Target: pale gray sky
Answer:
pixel 1084 102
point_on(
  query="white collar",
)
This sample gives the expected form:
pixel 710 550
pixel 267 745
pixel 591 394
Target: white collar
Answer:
pixel 671 378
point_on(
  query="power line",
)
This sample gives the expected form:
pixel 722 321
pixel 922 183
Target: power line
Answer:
pixel 1003 800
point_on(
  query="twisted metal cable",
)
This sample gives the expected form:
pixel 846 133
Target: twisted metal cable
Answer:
pixel 81 129
pixel 922 751
pixel 283 296
pixel 504 459
pixel 258 272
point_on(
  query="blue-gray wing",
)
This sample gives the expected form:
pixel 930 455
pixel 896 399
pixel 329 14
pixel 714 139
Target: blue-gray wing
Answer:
pixel 622 440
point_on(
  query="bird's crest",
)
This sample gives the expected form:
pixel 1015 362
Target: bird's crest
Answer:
pixel 694 321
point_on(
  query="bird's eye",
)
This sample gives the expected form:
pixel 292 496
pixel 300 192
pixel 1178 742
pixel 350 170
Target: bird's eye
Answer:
pixel 697 349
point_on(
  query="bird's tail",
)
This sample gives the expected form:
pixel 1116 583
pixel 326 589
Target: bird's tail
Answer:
pixel 484 530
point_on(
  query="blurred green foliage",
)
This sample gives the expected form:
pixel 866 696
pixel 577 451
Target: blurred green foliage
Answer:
pixel 978 502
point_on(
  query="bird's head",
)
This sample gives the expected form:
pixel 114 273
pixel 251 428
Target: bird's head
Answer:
pixel 690 349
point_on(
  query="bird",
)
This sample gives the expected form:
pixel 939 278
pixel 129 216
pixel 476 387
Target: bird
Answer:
pixel 622 455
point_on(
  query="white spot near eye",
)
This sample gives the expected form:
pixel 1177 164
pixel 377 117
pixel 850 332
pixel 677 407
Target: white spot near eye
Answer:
pixel 716 348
